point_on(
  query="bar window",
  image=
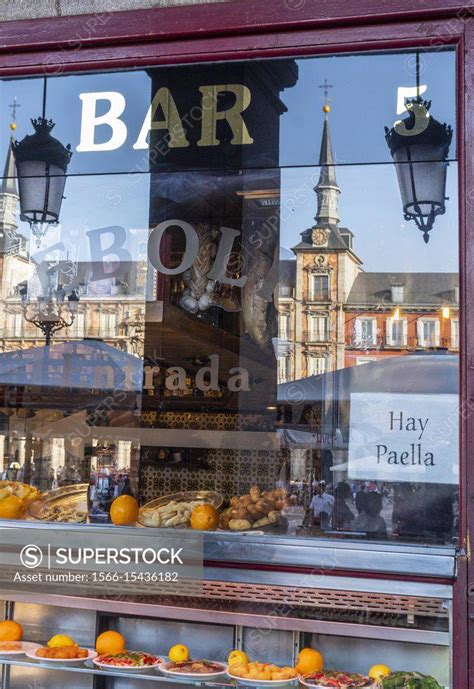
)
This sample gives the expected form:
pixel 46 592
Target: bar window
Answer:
pixel 397 332
pixel 284 326
pixel 428 332
pixel 318 328
pixel 320 287
pixel 284 369
pixel 365 332
pixel 455 333
pixel 317 365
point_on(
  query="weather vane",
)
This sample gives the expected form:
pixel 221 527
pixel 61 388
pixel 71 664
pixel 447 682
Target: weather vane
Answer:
pixel 326 86
pixel 13 106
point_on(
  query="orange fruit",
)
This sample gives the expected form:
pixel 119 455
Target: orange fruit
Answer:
pixel 124 510
pixel 309 661
pixel 12 507
pixel 204 518
pixel 10 631
pixel 110 643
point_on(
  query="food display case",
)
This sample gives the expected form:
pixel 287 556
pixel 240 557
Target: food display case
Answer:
pixel 233 324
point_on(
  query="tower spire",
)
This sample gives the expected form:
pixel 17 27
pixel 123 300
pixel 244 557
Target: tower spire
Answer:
pixel 327 189
pixel 8 185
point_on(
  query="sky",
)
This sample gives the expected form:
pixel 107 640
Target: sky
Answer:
pixel 363 99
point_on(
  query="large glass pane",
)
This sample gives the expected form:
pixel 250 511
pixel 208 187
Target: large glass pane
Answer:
pixel 240 299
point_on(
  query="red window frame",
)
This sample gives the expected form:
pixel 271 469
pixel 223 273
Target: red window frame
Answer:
pixel 246 29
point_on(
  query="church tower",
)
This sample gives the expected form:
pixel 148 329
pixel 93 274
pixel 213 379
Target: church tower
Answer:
pixel 8 200
pixel 14 265
pixel 327 190
pixel 326 267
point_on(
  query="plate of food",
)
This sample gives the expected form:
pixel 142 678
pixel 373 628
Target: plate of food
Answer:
pixel 172 511
pixel 194 669
pixel 259 510
pixel 333 679
pixel 67 504
pixel 61 654
pixel 255 674
pixel 16 648
pixel 128 661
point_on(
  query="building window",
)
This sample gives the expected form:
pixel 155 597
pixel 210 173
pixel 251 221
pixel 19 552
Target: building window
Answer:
pixel 428 330
pixel 398 294
pixel 365 332
pixel 284 369
pixel 455 333
pixel 108 324
pixel 284 326
pixel 317 365
pixel 396 332
pixel 319 287
pixel 15 324
pixel 77 329
pixel 285 291
pixel 318 328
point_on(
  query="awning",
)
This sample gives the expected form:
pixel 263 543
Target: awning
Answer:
pixel 410 374
pixel 81 364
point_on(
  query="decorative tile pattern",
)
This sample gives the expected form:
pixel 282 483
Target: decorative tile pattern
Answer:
pixel 231 472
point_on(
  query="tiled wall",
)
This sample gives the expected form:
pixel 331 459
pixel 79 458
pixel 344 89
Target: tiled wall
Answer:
pixel 230 472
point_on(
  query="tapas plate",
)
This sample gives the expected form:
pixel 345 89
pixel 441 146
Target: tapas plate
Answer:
pixel 113 663
pixel 243 681
pixel 335 679
pixel 217 670
pixel 152 515
pixel 17 648
pixel 66 504
pixel 62 661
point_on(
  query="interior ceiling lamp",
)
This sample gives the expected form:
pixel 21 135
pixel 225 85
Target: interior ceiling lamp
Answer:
pixel 41 163
pixel 419 146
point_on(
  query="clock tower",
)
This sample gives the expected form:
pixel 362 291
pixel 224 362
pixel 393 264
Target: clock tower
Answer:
pixel 326 267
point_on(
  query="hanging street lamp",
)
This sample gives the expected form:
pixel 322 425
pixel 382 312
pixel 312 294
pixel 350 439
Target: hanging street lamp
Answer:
pixel 419 146
pixel 41 162
pixel 51 314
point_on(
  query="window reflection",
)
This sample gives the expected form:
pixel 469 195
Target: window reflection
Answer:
pixel 226 330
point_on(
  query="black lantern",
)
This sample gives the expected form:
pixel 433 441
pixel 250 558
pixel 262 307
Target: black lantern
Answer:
pixel 419 145
pixel 41 162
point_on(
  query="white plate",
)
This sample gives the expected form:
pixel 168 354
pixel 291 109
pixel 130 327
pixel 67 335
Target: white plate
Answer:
pixel 117 668
pixel 194 675
pixel 64 661
pixel 25 646
pixel 264 682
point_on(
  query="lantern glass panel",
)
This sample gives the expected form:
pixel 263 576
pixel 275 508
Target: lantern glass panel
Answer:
pixel 40 193
pixel 422 183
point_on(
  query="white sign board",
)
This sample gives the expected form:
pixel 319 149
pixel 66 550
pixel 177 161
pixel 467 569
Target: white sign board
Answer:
pixel 400 437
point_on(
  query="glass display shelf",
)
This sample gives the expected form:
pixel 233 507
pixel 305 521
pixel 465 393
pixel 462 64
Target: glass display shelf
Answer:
pixel 260 548
pixel 88 668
